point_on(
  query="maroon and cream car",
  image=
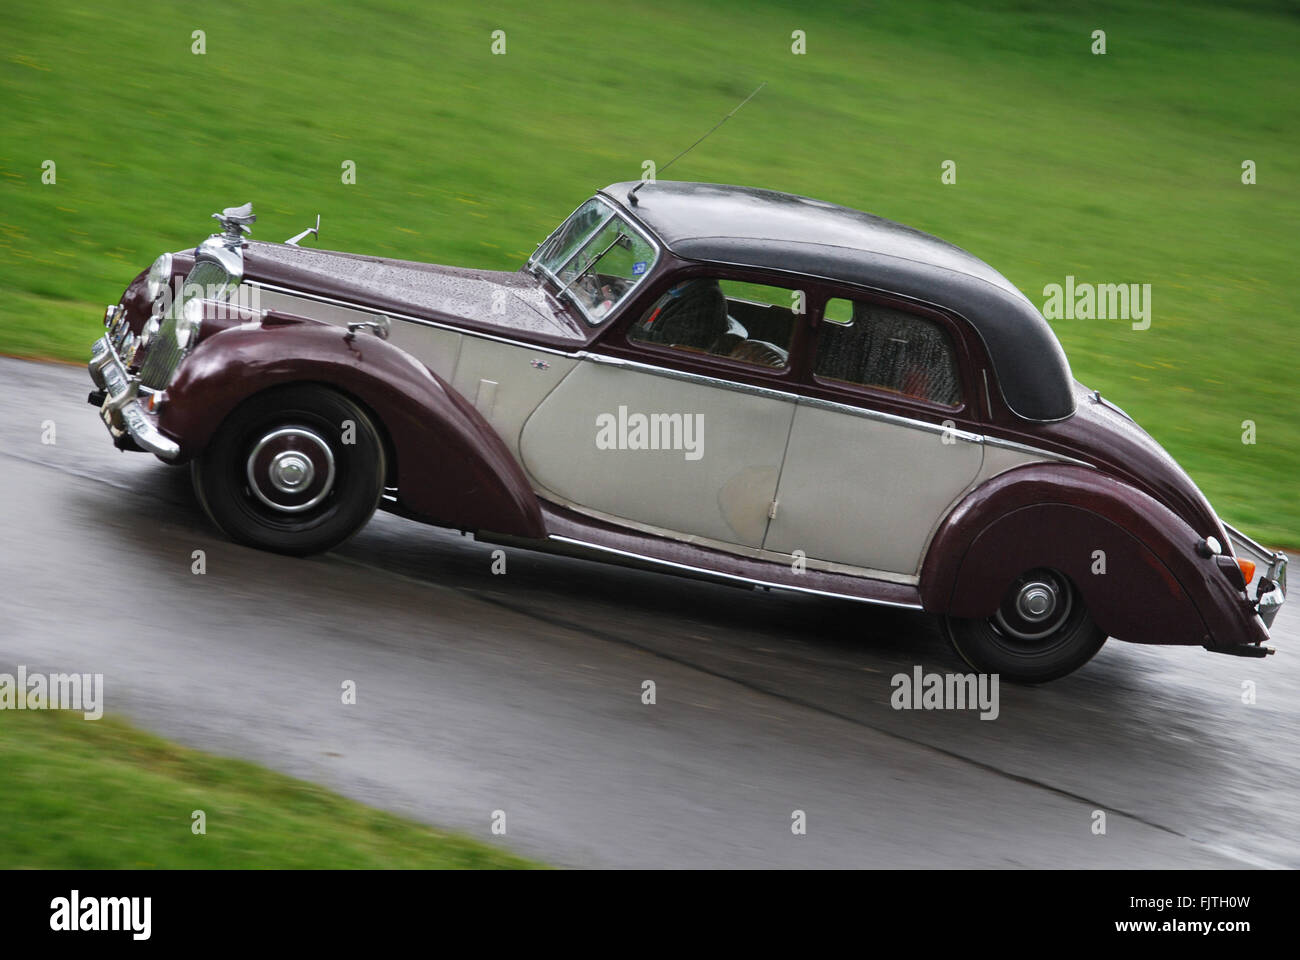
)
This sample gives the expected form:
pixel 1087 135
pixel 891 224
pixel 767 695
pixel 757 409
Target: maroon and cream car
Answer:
pixel 721 381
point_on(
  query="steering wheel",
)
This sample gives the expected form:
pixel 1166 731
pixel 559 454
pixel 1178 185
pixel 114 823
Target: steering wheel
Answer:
pixel 758 352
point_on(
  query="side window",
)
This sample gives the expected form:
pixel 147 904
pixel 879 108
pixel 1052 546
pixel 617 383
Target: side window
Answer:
pixel 747 322
pixel 876 346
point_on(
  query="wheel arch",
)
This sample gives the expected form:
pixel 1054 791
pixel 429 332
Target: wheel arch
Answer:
pixel 449 465
pixel 1132 560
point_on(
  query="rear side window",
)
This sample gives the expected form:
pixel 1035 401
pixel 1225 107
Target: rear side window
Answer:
pixel 870 345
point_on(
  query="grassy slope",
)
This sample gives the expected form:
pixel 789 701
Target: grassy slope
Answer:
pixel 1122 168
pixel 99 794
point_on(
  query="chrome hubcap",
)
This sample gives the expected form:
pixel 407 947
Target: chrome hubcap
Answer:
pixel 1036 601
pixel 1036 606
pixel 291 469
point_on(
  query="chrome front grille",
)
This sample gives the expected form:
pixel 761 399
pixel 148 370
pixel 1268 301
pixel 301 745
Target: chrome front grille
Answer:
pixel 206 280
pixel 163 356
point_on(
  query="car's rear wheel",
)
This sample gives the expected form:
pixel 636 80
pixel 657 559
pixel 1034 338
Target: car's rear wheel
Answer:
pixel 1041 631
pixel 295 470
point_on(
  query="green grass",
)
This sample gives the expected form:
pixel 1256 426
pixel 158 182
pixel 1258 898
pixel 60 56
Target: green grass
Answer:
pixel 100 794
pixel 1118 168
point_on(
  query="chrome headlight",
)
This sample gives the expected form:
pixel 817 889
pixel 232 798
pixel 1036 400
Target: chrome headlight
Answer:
pixel 160 276
pixel 129 345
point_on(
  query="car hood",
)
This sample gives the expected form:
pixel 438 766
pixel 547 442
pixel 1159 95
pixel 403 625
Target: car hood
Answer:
pixel 510 302
pixel 1104 435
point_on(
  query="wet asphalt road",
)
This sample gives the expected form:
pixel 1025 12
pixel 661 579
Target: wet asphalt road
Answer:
pixel 522 692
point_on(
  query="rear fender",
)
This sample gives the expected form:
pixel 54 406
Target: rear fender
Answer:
pixel 452 467
pixel 1132 559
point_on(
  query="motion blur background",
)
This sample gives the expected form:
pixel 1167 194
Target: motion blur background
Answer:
pixel 1116 168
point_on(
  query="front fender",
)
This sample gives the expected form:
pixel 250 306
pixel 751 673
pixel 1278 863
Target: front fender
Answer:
pixel 452 467
pixel 1132 559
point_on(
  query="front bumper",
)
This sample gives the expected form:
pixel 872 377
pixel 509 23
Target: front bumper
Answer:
pixel 120 408
pixel 1270 575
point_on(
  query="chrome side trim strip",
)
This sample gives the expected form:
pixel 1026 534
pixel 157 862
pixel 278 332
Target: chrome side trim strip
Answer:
pixel 1026 448
pixel 728 576
pixel 736 550
pixel 371 311
pixel 893 418
pixel 602 359
pixel 774 394
pixel 865 413
pixel 689 377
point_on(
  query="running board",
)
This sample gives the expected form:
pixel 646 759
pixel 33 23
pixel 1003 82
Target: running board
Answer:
pixel 731 577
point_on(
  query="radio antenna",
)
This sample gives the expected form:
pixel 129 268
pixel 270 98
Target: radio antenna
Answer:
pixel 631 197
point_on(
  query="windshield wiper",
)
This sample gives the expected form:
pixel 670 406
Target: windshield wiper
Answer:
pixel 622 239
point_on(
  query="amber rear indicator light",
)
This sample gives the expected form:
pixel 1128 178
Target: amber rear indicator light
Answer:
pixel 1247 569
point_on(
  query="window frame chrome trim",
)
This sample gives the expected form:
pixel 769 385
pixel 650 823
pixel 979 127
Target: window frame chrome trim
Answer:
pixel 610 213
pixel 686 375
pixel 645 235
pixel 532 259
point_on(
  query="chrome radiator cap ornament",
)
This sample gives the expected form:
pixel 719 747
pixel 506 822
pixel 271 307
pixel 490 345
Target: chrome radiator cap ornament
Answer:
pixel 236 221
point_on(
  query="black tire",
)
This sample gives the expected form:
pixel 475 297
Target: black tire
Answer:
pixel 1022 651
pixel 278 475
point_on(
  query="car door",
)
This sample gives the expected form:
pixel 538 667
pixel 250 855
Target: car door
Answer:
pixel 668 436
pixel 864 487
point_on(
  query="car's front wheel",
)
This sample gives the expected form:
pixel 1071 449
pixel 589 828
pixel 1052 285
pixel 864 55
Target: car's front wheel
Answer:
pixel 295 470
pixel 1041 631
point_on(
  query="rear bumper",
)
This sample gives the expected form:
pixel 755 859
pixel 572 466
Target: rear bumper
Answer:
pixel 120 408
pixel 1269 582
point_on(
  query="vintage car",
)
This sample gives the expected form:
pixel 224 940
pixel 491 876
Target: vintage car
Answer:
pixel 723 382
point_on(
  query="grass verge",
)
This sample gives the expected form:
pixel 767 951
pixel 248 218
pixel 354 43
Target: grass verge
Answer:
pixel 101 794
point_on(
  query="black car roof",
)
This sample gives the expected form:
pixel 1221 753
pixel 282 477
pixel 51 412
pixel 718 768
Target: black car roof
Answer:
pixel 747 226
